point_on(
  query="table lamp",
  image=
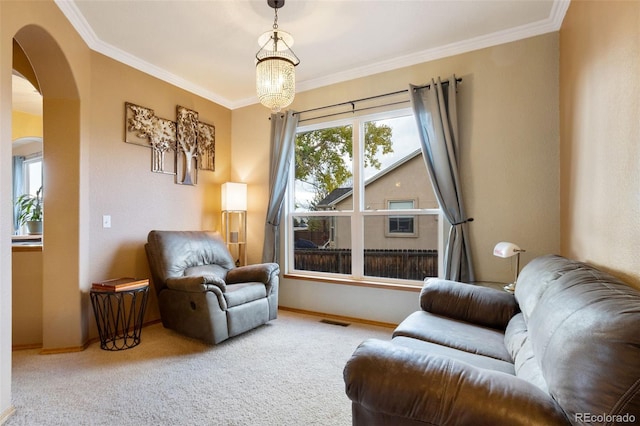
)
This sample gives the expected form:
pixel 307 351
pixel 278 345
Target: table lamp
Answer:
pixel 504 249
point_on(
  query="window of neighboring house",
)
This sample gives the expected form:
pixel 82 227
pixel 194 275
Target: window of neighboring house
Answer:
pixel 400 226
pixel 357 185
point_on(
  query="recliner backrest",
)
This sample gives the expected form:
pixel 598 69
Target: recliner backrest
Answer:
pixel 180 253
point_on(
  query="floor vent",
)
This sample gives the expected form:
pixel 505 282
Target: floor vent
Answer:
pixel 332 322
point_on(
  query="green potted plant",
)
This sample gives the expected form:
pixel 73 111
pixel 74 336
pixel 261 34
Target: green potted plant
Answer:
pixel 30 211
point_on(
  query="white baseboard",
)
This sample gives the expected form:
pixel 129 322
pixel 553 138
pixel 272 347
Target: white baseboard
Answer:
pixel 6 414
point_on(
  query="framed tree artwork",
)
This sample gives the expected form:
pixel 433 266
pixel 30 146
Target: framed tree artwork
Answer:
pixel 187 143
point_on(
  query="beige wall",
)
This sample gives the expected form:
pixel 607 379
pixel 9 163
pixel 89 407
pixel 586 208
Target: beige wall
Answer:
pixel 509 130
pixel 600 122
pixel 27 298
pixel 25 125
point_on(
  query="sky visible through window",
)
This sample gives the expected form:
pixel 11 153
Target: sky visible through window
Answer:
pixel 405 142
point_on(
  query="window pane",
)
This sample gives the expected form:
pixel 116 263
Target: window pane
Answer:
pixel 394 165
pixel 33 176
pixel 399 205
pixel 324 169
pixel 401 224
pixel 322 244
pixel 412 258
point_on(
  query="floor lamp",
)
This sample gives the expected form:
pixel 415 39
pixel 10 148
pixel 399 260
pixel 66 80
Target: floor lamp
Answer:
pixel 504 249
pixel 234 220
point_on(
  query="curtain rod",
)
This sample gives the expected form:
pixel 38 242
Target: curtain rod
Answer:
pixel 353 110
pixel 353 102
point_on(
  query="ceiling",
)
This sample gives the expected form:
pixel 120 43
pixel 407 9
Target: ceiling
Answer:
pixel 208 47
pixel 26 98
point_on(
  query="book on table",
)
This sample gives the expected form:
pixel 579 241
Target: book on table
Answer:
pixel 120 284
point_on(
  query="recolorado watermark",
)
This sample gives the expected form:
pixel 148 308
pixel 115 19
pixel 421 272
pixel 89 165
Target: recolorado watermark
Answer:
pixel 604 418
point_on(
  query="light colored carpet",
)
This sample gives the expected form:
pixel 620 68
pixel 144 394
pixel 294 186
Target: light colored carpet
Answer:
pixel 288 372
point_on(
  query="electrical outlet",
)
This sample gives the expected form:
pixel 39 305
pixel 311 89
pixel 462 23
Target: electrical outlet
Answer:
pixel 106 221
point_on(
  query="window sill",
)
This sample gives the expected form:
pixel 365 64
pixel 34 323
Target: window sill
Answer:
pixel 25 247
pixel 358 283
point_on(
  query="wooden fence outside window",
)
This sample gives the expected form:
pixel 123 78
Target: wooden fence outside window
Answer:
pixel 400 264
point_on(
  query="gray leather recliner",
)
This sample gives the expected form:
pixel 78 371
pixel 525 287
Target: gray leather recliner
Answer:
pixel 201 293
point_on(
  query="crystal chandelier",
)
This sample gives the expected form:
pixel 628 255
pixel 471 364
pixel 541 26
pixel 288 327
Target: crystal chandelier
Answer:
pixel 275 66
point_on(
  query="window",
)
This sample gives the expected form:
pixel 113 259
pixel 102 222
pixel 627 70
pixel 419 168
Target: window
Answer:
pixel 32 174
pixel 400 226
pixel 27 179
pixel 358 187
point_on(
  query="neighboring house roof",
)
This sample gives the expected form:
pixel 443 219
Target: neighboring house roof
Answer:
pixel 333 197
pixel 340 194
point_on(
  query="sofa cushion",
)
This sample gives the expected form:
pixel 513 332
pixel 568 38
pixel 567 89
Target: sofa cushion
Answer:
pixel 403 386
pixel 518 345
pixel 583 330
pixel 457 334
pixel 476 360
pixel 471 303
pixel 238 294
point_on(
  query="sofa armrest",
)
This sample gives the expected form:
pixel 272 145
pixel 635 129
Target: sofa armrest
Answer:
pixel 471 303
pixel 196 284
pixel 418 387
pixel 261 273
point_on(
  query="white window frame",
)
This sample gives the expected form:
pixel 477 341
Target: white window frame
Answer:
pixel 358 213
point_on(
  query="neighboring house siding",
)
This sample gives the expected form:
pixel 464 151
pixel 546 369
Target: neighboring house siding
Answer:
pixel 406 182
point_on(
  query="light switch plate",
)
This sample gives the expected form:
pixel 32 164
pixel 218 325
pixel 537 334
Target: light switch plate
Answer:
pixel 106 221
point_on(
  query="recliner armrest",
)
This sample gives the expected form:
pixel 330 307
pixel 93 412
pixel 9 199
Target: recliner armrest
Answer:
pixel 261 272
pixel 404 383
pixel 196 284
pixel 467 302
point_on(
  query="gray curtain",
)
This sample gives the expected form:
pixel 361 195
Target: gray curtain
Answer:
pixel 283 135
pixel 18 189
pixel 434 108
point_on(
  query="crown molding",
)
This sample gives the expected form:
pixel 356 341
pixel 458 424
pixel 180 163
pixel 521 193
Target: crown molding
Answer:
pixel 77 20
pixel 550 24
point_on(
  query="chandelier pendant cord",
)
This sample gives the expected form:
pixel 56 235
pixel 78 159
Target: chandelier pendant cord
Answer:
pixel 275 30
pixel 275 20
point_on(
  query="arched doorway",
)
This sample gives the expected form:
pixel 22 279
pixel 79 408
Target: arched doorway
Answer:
pixel 62 305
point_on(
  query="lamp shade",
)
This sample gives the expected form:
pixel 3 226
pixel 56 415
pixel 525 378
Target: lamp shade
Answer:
pixel 275 82
pixel 234 196
pixel 504 249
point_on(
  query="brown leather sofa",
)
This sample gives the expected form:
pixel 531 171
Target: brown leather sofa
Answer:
pixel 564 350
pixel 201 293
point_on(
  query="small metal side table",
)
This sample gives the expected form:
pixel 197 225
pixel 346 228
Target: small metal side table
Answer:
pixel 119 315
